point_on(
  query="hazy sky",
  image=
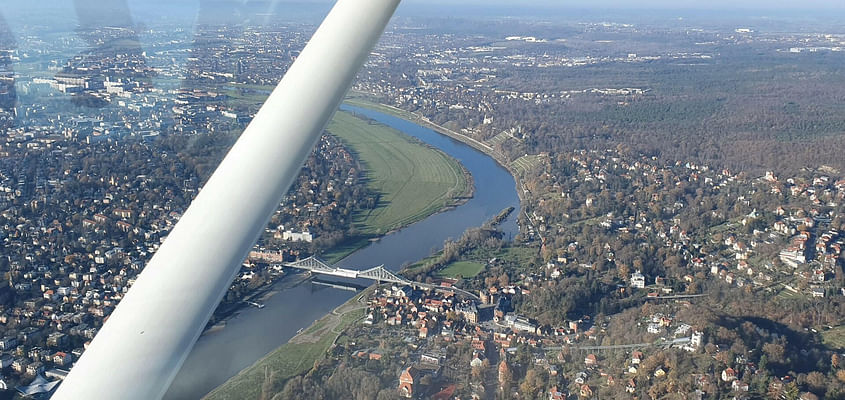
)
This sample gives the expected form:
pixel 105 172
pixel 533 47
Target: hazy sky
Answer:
pixel 517 4
pixel 143 10
pixel 679 3
pixel 645 4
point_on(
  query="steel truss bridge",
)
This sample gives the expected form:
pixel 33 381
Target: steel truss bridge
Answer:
pixel 378 274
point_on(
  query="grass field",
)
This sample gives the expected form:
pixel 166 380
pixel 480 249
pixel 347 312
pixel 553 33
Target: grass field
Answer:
pixel 785 293
pixel 294 357
pixel 361 100
pixel 517 255
pixel 465 269
pixel 413 180
pixel 834 338
pixel 475 260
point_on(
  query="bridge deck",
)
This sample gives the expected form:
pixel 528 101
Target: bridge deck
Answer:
pixel 379 274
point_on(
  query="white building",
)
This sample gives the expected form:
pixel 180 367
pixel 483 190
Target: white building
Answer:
pixel 637 280
pixel 297 236
pixel 655 328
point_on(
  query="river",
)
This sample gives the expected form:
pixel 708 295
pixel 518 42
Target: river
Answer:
pixel 252 333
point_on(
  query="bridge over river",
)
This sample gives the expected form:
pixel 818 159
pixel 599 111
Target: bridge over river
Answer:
pixel 378 274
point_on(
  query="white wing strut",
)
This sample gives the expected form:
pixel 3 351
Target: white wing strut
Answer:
pixel 140 349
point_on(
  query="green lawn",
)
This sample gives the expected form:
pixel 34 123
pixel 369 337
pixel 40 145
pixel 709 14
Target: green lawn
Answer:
pixel 465 269
pixel 413 180
pixel 834 338
pixel 516 256
pixel 249 98
pixel 363 100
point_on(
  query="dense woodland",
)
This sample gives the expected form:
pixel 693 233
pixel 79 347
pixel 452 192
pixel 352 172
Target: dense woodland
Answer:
pixel 749 105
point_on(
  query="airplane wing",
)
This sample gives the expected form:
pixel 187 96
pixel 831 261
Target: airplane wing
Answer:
pixel 141 347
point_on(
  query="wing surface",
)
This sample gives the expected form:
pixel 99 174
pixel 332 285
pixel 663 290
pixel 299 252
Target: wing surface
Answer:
pixel 141 347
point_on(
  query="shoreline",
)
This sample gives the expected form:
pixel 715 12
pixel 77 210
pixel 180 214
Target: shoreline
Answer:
pixel 233 309
pixel 498 157
pixel 457 202
pixel 312 335
pixel 453 202
pixel 260 293
pixel 363 102
pixel 479 146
